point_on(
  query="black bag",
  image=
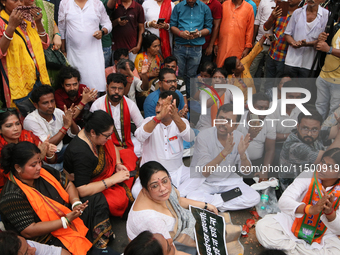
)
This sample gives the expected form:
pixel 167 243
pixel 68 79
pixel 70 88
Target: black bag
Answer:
pixel 55 59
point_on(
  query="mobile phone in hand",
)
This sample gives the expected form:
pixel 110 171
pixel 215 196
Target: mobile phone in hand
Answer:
pixel 192 32
pixel 160 20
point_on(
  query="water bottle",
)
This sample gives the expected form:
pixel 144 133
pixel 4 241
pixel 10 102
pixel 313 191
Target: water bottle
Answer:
pixel 264 199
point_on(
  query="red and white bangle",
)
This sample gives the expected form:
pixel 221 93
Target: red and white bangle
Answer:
pixel 7 37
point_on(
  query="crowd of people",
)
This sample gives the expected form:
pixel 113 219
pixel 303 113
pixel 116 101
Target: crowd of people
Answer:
pixel 105 133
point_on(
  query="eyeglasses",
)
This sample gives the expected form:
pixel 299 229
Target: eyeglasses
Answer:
pixel 306 131
pixel 165 181
pixel 12 109
pixel 171 81
pixel 106 136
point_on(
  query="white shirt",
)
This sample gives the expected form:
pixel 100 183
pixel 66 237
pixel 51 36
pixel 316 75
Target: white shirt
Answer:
pixel 135 114
pixel 155 222
pixel 164 144
pixel 135 85
pixel 263 13
pixel 43 249
pixel 297 27
pixel 84 51
pixel 291 199
pixel 277 115
pixel 256 146
pixel 42 128
pixel 151 12
pixel 207 147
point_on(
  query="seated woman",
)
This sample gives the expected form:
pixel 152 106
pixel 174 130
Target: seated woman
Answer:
pixel 42 205
pixel 96 164
pixel 159 209
pixel 238 70
pixel 11 132
pixel 308 222
pixel 151 45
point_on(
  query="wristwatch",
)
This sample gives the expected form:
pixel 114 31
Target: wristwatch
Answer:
pixel 330 50
pixel 199 34
pixel 103 32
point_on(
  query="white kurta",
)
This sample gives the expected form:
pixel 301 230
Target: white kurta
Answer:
pixel 84 51
pixel 274 231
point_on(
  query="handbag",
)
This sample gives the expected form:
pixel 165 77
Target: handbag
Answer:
pixel 24 105
pixel 55 59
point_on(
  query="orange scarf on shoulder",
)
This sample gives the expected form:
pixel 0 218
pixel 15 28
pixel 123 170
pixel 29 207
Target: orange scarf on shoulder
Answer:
pixel 48 210
pixel 310 227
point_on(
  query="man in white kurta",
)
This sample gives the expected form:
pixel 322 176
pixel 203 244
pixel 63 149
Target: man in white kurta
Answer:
pixel 135 115
pixel 274 231
pixel 162 139
pixel 214 148
pixel 79 27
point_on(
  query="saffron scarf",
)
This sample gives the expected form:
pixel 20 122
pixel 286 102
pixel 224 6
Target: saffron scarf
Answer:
pixel 165 13
pixel 25 136
pixel 21 69
pixel 48 210
pixel 309 227
pixel 125 125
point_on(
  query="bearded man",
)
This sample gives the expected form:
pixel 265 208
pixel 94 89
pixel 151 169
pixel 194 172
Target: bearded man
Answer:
pixel 305 146
pixel 123 110
pixel 72 92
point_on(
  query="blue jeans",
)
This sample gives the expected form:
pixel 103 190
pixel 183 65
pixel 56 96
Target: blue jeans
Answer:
pixel 107 56
pixel 327 97
pixel 188 61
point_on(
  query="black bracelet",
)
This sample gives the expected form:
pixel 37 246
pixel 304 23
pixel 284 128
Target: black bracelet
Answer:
pixel 104 184
pixel 206 205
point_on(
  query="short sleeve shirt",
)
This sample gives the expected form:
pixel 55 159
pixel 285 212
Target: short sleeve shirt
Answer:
pixel 127 36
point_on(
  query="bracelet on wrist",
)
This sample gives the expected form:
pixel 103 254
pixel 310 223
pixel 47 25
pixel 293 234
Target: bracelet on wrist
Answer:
pixel 78 108
pixel 50 157
pixel 222 156
pixel 329 213
pixel 68 221
pixel 104 184
pixel 7 37
pixel 81 103
pixel 64 222
pixel 57 34
pixel 307 209
pixel 62 131
pixel 157 121
pixel 76 203
pixel 64 128
pixel 206 205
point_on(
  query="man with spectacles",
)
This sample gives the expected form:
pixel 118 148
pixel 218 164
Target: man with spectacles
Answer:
pixel 123 110
pixel 305 146
pixel 162 136
pixel 167 82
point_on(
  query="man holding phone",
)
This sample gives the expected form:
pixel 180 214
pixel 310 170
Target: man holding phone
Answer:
pixel 128 27
pixel 219 155
pixel 190 21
